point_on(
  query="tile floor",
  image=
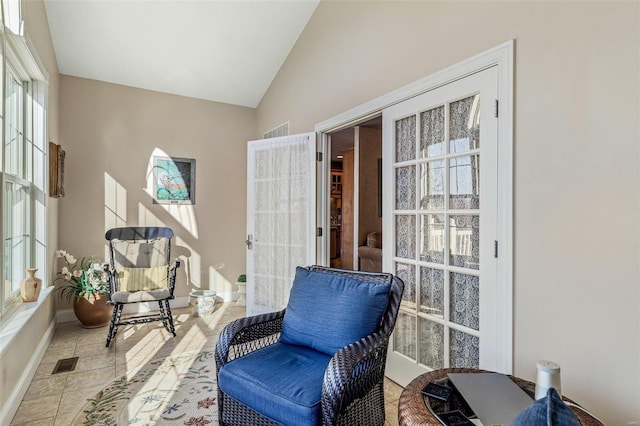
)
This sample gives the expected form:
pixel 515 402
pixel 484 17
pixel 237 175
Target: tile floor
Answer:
pixel 53 399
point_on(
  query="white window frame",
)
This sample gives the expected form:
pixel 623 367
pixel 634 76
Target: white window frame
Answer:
pixel 19 58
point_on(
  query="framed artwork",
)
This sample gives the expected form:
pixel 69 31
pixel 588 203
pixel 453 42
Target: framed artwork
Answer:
pixel 174 180
pixel 56 170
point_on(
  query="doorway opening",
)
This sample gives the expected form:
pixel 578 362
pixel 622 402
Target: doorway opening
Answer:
pixel 355 197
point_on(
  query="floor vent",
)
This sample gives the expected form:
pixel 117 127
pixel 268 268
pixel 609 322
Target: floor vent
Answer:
pixel 64 365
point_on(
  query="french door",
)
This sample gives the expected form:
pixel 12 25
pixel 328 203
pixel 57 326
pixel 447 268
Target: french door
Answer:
pixel 281 217
pixel 440 219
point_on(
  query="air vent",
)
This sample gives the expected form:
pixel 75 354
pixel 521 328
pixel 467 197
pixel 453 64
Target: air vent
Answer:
pixel 64 365
pixel 281 130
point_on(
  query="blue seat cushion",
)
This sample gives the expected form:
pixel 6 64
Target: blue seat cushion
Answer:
pixel 282 382
pixel 327 312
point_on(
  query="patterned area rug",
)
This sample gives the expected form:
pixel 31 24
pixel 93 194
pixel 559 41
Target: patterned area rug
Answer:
pixel 177 390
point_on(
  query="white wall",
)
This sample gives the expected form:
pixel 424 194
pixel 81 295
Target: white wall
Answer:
pixel 577 159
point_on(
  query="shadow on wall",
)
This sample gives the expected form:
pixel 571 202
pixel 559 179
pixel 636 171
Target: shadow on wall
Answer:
pixel 189 277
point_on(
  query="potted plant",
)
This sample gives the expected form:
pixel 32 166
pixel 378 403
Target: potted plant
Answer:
pixel 242 290
pixel 84 283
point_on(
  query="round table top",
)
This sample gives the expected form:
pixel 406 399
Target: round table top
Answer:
pixel 413 410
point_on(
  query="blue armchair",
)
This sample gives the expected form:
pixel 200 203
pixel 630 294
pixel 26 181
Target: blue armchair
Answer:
pixel 320 361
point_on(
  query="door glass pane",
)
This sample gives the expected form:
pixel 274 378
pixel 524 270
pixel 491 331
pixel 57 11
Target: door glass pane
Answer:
pixel 464 300
pixel 464 182
pixel 432 132
pixel 464 350
pixel 406 188
pixel 432 292
pixel 406 236
pixel 406 139
pixel 268 288
pixel 262 198
pixel 432 185
pixel 464 241
pixel 297 234
pixel 407 273
pixel 404 340
pixel 432 238
pixel 431 343
pixel 464 124
pixel 262 164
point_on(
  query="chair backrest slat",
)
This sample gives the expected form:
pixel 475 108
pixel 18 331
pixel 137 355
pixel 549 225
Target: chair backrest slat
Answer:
pixel 139 233
pixel 141 247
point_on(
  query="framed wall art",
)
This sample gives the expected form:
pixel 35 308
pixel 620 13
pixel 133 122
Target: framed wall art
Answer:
pixel 56 170
pixel 174 180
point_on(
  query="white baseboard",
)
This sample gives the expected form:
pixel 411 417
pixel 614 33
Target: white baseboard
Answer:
pixel 13 402
pixel 67 315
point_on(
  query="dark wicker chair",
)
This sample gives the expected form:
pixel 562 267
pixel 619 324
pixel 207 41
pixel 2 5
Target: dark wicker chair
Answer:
pixel 142 254
pixel 352 390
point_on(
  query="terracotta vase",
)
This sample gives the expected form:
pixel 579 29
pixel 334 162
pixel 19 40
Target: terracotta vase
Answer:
pixel 30 286
pixel 92 311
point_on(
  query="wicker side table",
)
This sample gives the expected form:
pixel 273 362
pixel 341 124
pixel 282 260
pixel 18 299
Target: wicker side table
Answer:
pixel 415 409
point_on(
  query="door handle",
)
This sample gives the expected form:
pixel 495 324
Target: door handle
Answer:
pixel 249 242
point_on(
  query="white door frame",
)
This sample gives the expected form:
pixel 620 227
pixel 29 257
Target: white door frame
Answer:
pixel 323 192
pixel 501 56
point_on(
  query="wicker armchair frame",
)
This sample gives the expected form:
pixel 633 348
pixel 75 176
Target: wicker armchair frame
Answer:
pixel 139 234
pixel 353 387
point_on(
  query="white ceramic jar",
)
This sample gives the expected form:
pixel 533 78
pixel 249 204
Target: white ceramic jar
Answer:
pixel 548 377
pixel 202 302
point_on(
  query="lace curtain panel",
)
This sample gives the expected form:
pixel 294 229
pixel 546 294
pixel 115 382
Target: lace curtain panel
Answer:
pixel 281 217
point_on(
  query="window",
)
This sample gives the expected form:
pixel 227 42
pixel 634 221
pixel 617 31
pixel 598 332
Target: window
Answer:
pixel 22 160
pixel 12 15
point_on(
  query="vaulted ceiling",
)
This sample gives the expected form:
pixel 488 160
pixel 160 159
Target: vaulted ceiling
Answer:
pixel 223 51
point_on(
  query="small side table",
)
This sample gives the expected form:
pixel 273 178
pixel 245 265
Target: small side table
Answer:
pixel 415 409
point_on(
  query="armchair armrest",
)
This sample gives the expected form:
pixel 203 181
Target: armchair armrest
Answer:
pixel 353 372
pixel 246 335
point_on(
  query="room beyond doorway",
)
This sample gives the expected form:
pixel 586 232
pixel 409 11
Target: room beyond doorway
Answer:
pixel 355 237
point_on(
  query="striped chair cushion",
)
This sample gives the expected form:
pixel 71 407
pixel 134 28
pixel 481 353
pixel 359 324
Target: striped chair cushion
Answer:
pixel 137 279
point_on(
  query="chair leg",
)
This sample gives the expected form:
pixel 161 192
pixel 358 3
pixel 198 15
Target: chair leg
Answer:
pixel 113 325
pixel 167 318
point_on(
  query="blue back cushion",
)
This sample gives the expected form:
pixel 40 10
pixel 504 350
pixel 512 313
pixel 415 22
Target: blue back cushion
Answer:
pixel 327 312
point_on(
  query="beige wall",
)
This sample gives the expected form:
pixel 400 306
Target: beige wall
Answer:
pixel 110 133
pixel 15 359
pixel 369 152
pixel 576 273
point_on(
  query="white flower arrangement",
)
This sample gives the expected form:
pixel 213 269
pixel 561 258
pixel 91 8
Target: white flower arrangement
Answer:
pixel 83 276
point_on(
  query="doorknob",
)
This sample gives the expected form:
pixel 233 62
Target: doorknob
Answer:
pixel 249 241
